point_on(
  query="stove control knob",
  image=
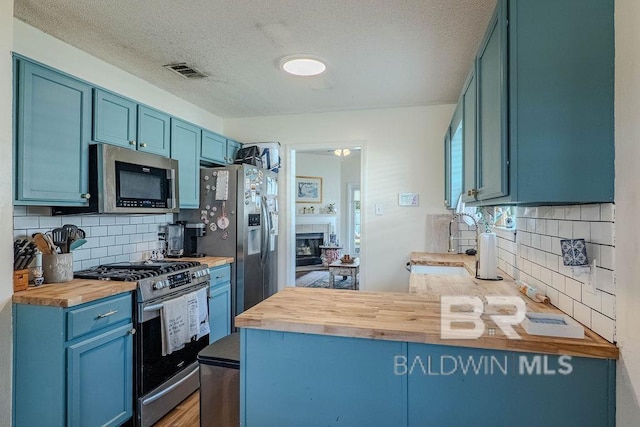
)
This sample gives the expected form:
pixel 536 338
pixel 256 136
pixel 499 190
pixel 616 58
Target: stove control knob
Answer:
pixel 159 285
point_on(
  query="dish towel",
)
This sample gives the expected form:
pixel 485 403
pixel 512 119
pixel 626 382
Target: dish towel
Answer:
pixel 174 325
pixel 198 306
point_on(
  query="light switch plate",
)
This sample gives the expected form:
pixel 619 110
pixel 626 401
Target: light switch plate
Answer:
pixel 379 209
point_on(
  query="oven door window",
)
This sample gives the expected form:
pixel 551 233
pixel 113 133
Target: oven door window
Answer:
pixel 141 186
pixel 157 368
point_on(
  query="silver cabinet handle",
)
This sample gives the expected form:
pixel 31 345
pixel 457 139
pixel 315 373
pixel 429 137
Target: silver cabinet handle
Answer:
pixel 107 314
pixel 132 143
pixel 143 144
pixel 85 195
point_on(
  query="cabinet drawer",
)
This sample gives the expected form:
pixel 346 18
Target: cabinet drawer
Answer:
pixel 97 316
pixel 221 274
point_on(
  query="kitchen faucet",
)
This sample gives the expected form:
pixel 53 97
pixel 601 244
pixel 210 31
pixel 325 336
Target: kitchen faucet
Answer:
pixel 451 238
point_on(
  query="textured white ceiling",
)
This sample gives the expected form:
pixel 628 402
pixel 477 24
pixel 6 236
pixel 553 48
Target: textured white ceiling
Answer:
pixel 380 53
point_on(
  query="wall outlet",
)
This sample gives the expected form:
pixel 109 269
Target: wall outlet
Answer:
pixel 379 209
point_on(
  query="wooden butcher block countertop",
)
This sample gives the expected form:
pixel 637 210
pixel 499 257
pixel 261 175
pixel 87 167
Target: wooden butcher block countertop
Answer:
pixel 80 291
pixel 412 317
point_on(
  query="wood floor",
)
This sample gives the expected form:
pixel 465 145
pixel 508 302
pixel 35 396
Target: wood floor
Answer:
pixel 186 414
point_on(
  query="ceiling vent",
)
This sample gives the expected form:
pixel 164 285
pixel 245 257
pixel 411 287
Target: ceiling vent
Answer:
pixel 185 70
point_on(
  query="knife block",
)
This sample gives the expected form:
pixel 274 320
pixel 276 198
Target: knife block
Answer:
pixel 20 280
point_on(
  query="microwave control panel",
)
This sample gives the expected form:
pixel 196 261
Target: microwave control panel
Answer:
pixel 136 203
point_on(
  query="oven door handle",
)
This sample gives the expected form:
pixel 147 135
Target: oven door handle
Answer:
pixel 154 307
pixel 155 397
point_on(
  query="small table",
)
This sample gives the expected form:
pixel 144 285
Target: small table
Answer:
pixel 344 270
pixel 329 254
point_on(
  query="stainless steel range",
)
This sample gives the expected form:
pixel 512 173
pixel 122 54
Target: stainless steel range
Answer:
pixel 161 382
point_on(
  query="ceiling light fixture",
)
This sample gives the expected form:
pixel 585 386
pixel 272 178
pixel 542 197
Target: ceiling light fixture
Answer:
pixel 303 65
pixel 342 152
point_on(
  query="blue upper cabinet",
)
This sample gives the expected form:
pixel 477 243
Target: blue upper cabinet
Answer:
pixel 492 124
pixel 545 128
pixel 232 150
pixel 214 148
pixel 114 119
pixel 218 149
pixel 53 130
pixel 185 148
pixel 154 131
pixel 120 121
pixel 469 116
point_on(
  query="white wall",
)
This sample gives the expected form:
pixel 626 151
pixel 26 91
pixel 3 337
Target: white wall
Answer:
pixel 36 45
pixel 326 167
pixel 350 175
pixel 403 152
pixel 627 107
pixel 6 210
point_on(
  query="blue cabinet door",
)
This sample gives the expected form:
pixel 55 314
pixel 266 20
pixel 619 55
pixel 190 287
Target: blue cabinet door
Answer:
pixel 53 130
pixel 214 148
pixel 492 151
pixel 100 379
pixel 185 148
pixel 232 150
pixel 219 311
pixel 469 101
pixel 114 119
pixel 153 131
pixel 461 386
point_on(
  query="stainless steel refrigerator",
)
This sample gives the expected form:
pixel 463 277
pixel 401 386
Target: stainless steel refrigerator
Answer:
pixel 239 206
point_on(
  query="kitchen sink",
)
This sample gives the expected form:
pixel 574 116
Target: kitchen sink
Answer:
pixel 440 270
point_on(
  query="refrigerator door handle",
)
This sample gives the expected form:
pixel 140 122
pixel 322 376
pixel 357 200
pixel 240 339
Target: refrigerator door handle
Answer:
pixel 264 229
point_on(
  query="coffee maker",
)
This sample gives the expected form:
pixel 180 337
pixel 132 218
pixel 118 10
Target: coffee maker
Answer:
pixel 192 232
pixel 175 239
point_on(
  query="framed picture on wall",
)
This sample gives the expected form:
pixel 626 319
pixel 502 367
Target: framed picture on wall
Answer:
pixel 308 189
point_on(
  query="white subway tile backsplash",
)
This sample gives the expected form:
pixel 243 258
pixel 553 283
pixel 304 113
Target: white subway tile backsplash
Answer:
pixel 90 220
pixel 551 227
pixel 609 305
pixel 582 313
pixel 536 259
pixel 605 280
pixel 107 220
pixel 565 229
pixel 607 212
pixel 602 233
pixel 603 326
pixel 565 304
pixel 572 212
pixel 143 228
pixel 573 288
pixel 110 238
pixel 24 222
pixel 581 230
pixel 606 258
pixel 590 212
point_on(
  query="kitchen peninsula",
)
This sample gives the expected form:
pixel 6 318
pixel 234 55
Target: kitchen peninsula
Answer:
pixel 335 357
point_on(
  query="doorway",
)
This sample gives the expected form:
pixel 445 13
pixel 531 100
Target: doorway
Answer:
pixel 337 172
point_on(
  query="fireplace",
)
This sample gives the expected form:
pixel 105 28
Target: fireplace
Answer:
pixel 308 248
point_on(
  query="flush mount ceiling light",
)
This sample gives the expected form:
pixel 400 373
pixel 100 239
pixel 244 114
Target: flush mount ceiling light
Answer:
pixel 342 152
pixel 303 65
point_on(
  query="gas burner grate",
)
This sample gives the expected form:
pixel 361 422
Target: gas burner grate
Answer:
pixel 132 272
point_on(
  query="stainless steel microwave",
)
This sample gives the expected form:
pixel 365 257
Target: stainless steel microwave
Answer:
pixel 126 181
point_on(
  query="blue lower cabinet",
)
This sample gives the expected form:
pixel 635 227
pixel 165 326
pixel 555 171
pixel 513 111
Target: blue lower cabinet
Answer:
pixel 291 379
pixel 220 302
pixel 100 379
pixel 220 311
pixel 294 379
pixel 456 386
pixel 69 374
pixel 185 148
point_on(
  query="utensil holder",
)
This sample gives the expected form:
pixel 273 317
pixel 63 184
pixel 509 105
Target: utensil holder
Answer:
pixel 57 267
